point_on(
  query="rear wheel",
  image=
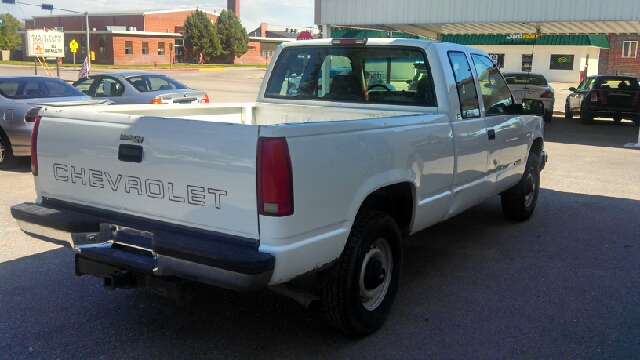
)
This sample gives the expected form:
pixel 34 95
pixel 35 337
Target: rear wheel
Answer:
pixel 7 160
pixel 519 202
pixel 567 112
pixel 548 116
pixel 359 290
pixel 585 115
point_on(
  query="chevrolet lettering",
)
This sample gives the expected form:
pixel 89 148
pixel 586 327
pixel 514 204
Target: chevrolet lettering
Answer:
pixel 351 146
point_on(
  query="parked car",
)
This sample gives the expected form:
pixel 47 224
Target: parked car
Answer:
pixel 605 96
pixel 20 94
pixel 139 87
pixel 531 85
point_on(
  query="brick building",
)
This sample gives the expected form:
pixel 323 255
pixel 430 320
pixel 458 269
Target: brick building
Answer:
pixel 622 56
pixel 127 38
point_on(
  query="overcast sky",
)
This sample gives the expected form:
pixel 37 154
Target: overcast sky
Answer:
pixel 252 12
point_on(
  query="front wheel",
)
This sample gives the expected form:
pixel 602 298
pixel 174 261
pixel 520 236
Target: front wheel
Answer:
pixel 359 290
pixel 519 201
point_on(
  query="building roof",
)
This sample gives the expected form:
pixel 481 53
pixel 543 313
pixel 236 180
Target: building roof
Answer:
pixel 600 41
pixel 125 12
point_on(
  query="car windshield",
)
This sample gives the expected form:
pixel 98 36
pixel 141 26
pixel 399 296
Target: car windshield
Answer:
pixel 525 79
pixel 146 83
pixel 36 88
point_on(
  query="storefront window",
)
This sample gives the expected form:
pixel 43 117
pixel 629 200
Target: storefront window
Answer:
pixel 561 62
pixel 498 59
pixel 161 48
pixel 629 49
pixel 145 48
pixel 527 62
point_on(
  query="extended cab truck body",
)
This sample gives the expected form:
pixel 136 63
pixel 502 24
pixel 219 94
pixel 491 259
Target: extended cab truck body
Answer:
pixel 245 196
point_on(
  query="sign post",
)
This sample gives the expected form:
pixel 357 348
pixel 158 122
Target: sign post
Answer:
pixel 73 46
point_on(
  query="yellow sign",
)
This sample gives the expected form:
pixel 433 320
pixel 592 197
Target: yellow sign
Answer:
pixel 73 45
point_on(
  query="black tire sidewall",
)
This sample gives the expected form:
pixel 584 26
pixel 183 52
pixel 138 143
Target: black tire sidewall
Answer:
pixel 9 160
pixel 370 321
pixel 513 200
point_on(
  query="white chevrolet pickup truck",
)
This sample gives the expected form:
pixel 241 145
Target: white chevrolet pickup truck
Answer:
pixel 324 174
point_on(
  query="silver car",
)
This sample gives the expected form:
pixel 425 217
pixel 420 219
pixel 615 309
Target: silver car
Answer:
pixel 19 95
pixel 139 87
pixel 531 85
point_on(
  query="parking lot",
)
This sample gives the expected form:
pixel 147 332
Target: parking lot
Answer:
pixel 564 284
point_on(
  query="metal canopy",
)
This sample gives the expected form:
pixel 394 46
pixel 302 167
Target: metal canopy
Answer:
pixel 569 28
pixel 431 18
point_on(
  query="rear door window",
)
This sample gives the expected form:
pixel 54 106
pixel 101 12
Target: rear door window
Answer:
pixel 465 84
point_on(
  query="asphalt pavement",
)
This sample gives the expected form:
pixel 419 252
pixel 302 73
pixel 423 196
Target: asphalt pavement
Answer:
pixel 562 285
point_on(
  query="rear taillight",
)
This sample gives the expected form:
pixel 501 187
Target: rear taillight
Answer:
pixel 274 178
pixel 156 101
pixel 34 146
pixel 547 95
pixel 205 99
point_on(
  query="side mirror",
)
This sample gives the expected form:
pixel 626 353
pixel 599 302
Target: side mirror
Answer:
pixel 572 89
pixel 532 107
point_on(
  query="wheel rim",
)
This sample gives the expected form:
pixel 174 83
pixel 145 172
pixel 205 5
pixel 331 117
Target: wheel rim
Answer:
pixel 530 190
pixel 377 268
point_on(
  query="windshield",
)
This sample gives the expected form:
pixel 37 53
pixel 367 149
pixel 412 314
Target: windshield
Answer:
pixel 146 83
pixel 36 88
pixel 525 79
pixel 372 74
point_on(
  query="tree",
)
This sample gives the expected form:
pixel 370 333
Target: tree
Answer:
pixel 9 37
pixel 233 36
pixel 200 34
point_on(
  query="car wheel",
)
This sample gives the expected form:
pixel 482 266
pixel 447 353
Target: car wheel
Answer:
pixel 358 291
pixel 548 116
pixel 7 160
pixel 519 201
pixel 585 115
pixel 567 112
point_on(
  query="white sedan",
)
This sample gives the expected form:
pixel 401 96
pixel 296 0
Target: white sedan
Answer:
pixel 531 85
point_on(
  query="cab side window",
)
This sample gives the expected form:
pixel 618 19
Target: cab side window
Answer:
pixel 465 85
pixel 496 96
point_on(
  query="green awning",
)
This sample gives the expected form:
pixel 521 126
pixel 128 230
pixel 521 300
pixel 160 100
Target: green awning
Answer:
pixel 600 41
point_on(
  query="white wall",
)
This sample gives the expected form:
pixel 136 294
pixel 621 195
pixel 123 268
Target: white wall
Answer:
pixel 542 58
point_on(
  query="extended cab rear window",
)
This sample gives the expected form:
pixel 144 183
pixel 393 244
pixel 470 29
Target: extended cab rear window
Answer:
pixel 369 74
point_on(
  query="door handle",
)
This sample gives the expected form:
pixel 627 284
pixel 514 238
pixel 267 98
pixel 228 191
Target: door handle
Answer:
pixel 492 134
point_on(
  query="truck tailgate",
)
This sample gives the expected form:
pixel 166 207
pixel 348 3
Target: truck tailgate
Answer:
pixel 193 173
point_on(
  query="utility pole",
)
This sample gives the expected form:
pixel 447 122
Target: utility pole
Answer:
pixel 86 25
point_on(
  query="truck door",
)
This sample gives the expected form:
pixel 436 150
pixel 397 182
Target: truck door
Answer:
pixel 506 131
pixel 470 136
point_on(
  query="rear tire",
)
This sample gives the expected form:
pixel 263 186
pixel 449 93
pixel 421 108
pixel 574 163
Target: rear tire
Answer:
pixel 548 116
pixel 7 160
pixel 358 291
pixel 567 112
pixel 519 202
pixel 585 115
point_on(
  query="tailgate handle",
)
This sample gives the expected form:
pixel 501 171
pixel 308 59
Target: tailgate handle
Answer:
pixel 130 153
